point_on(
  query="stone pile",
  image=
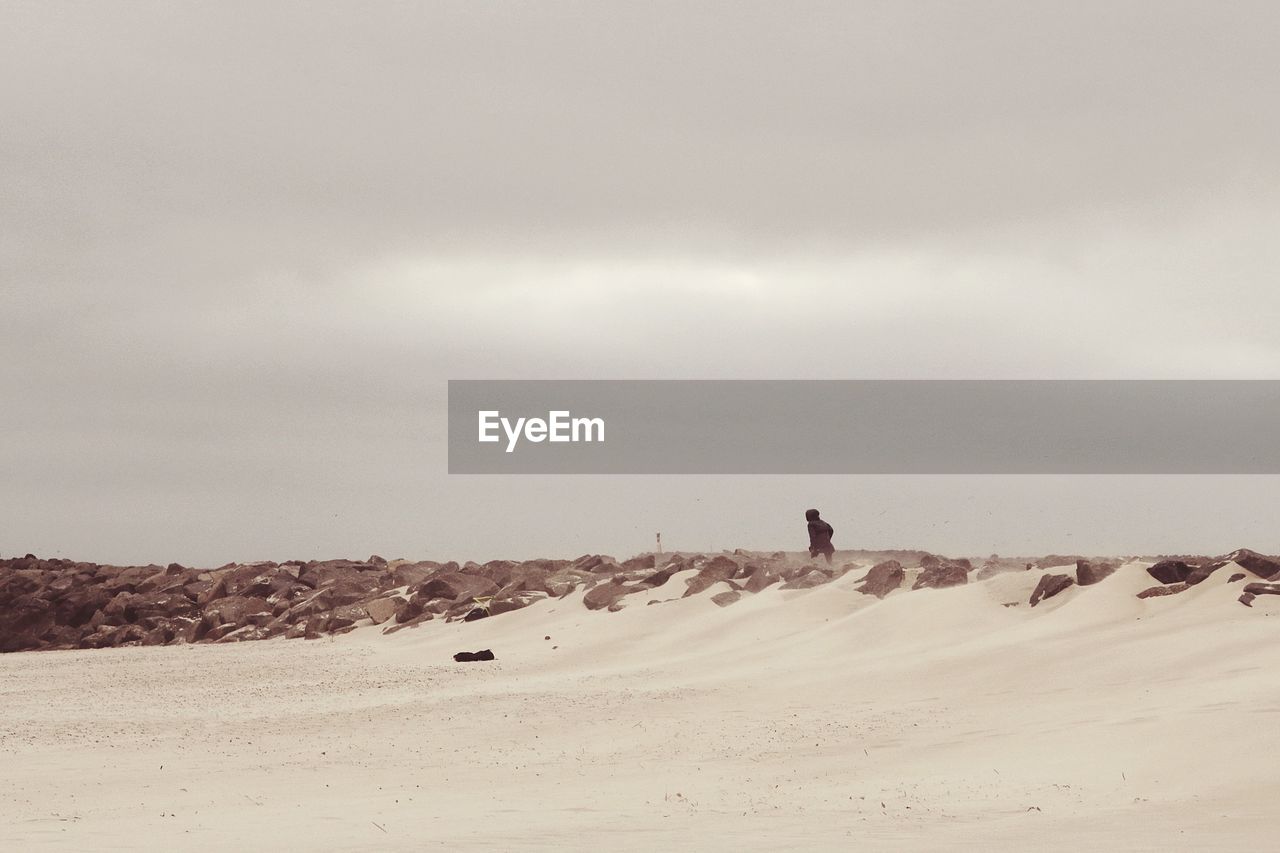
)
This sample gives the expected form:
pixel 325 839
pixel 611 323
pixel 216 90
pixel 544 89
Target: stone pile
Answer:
pixel 63 604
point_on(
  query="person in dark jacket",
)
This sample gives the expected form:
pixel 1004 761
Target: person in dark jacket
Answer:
pixel 820 534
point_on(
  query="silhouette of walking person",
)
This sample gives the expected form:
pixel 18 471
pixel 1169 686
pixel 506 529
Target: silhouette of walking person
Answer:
pixel 820 534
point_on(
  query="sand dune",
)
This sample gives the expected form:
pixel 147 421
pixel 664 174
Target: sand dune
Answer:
pixel 808 719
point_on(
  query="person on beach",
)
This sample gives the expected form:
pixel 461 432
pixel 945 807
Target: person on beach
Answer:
pixel 820 534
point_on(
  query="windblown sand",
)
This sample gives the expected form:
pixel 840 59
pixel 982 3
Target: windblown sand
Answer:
pixel 808 719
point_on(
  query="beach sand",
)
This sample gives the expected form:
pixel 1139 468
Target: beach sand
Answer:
pixel 816 719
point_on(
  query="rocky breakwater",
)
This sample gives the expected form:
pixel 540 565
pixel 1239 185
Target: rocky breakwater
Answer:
pixel 64 604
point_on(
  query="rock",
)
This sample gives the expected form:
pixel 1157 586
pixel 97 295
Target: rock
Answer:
pixel 530 577
pixel 1246 599
pixel 724 599
pixel 455 586
pixel 760 578
pixel 810 579
pixel 475 613
pixel 1170 571
pixel 1049 586
pixel 217 632
pixel 320 601
pixel 934 561
pixel 464 657
pixel 409 623
pixel 167 580
pixel 716 570
pixel 413 574
pixel 644 561
pixel 723 567
pixel 1199 574
pixel 248 632
pixel 516 602
pixel 939 573
pixel 1051 561
pixel 1238 576
pixel 186 629
pixel 128 579
pixel 1262 588
pixel 235 610
pixel 27 620
pixel 338 623
pixel 1156 591
pixel 608 594
pixel 998 566
pixel 595 563
pixel 80 604
pixel 1261 565
pixel 661 576
pixel 1088 573
pixel 883 579
pixel 382 609
pixel 329 572
pixel 352 612
pixel 410 610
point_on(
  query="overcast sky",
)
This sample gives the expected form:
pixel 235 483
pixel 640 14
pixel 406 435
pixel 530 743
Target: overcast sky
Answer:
pixel 244 245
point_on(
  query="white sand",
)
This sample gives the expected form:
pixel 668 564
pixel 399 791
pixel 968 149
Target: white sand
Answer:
pixel 810 719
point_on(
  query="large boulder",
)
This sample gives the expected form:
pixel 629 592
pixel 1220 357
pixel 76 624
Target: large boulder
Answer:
pixel 883 579
pixel 236 610
pixel 413 574
pixel 163 604
pixel 1262 588
pixel 25 621
pixel 186 629
pixel 808 580
pixel 1170 571
pixel 514 602
pixel 1051 561
pixel 79 604
pixel 939 572
pixel 605 595
pixel 1049 586
pixel 722 566
pixel 527 577
pixel 501 572
pixel 760 578
pixel 246 632
pixel 1261 565
pixel 1089 573
pixel 1157 591
pixel 381 609
pixel 724 599
pixel 173 578
pixel 999 566
pixel 661 576
pixel 127 579
pixel 329 572
pixel 1201 573
pixel 718 569
pixel 595 563
pixel 455 586
pixel 644 561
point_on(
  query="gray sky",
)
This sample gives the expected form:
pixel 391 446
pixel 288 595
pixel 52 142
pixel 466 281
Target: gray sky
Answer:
pixel 244 245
